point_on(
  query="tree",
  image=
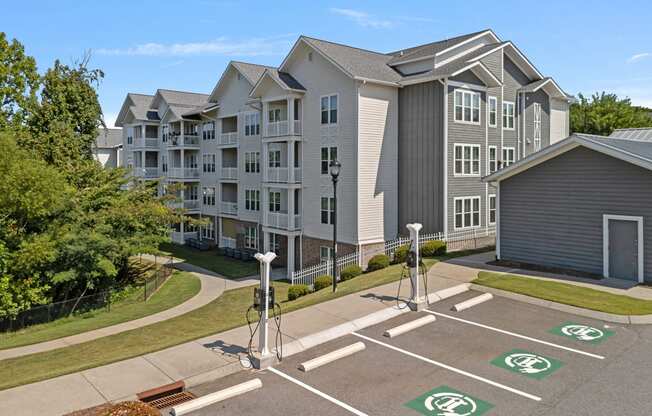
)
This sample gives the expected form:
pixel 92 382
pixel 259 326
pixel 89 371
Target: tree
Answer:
pixel 603 113
pixel 19 82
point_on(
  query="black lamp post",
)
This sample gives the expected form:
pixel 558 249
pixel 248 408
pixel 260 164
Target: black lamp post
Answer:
pixel 334 168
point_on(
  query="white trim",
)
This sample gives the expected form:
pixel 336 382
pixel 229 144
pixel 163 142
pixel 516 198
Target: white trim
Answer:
pixel 605 243
pixel 470 174
pixel 502 156
pixel 459 55
pixel 376 81
pixel 502 121
pixel 489 196
pixel 477 58
pixel 468 86
pixel 472 93
pixel 524 59
pixel 489 171
pixel 472 66
pixel 329 111
pixel 471 39
pixel 491 98
pixel 445 154
pixel 472 198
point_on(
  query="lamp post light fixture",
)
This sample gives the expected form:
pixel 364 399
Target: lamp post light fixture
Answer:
pixel 334 169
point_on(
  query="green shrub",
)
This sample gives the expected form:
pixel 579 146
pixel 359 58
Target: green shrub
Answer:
pixel 323 282
pixel 400 254
pixel 433 248
pixel 296 291
pixel 377 262
pixel 349 272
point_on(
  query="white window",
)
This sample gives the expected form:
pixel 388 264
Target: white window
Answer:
pixel 492 156
pixel 509 154
pixel 467 159
pixel 325 254
pixel 208 163
pixel 252 200
pixel 275 242
pixel 208 230
pixel 467 107
pixel 209 196
pixel 327 210
pixel 508 115
pixel 329 109
pixel 493 111
pixel 274 158
pixel 467 212
pixel 328 154
pixel 274 201
pixel 252 124
pixel 192 193
pixel 492 209
pixel 252 162
pixel 537 127
pixel 274 115
pixel 251 237
pixel 208 131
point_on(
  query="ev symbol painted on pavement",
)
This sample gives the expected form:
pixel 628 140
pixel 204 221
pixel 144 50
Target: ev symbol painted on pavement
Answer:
pixel 581 332
pixel 445 401
pixel 527 363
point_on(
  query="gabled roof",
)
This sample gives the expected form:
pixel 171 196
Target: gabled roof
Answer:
pixel 138 105
pixel 632 151
pixel 548 84
pixel 181 98
pixel 282 79
pixel 108 138
pixel 643 134
pixel 251 72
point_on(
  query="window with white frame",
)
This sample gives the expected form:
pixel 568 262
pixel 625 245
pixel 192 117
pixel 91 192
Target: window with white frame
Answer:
pixel 467 159
pixel 192 193
pixel 208 131
pixel 493 111
pixel 509 156
pixel 467 212
pixel 325 253
pixel 327 210
pixel 274 242
pixel 467 106
pixel 492 209
pixel 252 162
pixel 328 154
pixel 252 199
pixel 252 124
pixel 208 230
pixel 209 196
pixel 329 109
pixel 190 129
pixel 537 127
pixel 508 115
pixel 274 158
pixel 208 163
pixel 274 115
pixel 492 158
pixel 274 201
pixel 251 237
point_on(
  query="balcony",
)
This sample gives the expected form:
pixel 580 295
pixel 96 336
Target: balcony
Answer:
pixel 146 143
pixel 183 173
pixel 185 141
pixel 188 204
pixel 180 238
pixel 281 175
pixel 146 173
pixel 229 173
pixel 227 242
pixel 277 128
pixel 282 220
pixel 229 208
pixel 228 139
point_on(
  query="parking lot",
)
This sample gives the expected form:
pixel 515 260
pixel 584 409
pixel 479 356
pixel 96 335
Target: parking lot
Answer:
pixel 501 357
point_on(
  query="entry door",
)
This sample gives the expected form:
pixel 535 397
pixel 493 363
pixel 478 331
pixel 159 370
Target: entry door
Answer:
pixel 623 249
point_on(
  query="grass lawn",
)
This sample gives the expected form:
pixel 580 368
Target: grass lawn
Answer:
pixel 565 293
pixel 178 289
pixel 210 260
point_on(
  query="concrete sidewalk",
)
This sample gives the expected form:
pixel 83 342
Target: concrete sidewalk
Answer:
pixel 197 361
pixel 212 287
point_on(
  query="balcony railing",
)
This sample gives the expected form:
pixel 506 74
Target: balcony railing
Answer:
pixel 183 141
pixel 281 175
pixel 227 242
pixel 297 127
pixel 147 173
pixel 282 220
pixel 230 208
pixel 183 173
pixel 277 128
pixel 189 204
pixel 226 139
pixel 147 143
pixel 229 173
pixel 179 237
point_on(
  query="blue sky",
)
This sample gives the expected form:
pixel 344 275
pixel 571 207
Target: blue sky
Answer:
pixel 143 45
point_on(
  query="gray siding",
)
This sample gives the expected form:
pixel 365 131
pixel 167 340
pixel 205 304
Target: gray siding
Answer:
pixel 513 79
pixel 420 161
pixel 552 213
pixel 542 98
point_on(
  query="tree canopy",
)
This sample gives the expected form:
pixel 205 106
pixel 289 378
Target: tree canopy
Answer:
pixel 603 113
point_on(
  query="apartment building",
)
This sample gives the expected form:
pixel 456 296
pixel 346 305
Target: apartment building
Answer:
pixel 414 130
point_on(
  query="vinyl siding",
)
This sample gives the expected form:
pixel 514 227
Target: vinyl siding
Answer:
pixel 542 98
pixel 552 213
pixel 420 157
pixel 513 79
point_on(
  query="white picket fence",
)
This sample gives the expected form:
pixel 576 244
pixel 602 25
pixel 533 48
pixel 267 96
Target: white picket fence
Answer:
pixel 455 241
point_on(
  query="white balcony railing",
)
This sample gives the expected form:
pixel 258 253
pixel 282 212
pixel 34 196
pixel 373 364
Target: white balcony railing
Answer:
pixel 179 237
pixel 282 220
pixel 226 139
pixel 281 175
pixel 183 141
pixel 297 127
pixel 183 173
pixel 227 242
pixel 277 128
pixel 146 172
pixel 229 173
pixel 189 204
pixel 148 143
pixel 297 174
pixel 229 208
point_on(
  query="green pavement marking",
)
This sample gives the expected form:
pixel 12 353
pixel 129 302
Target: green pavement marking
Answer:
pixel 527 363
pixel 582 332
pixel 445 401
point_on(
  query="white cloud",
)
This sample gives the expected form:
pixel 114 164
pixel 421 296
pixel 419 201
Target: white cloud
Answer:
pixel 275 45
pixel 364 19
pixel 637 57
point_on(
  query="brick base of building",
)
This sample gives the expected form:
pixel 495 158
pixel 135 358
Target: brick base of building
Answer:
pixel 311 246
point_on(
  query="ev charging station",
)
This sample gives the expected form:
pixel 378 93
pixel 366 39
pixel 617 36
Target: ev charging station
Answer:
pixel 417 302
pixel 264 296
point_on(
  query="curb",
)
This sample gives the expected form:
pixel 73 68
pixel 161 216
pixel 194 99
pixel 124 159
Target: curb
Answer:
pixel 602 316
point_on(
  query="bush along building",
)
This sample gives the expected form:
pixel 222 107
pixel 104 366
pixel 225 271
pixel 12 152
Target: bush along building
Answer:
pixel 413 129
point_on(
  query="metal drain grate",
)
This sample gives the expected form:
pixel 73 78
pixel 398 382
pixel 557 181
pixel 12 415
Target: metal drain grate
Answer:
pixel 172 400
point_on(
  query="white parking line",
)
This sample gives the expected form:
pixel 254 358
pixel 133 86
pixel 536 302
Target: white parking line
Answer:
pixel 453 369
pixel 317 392
pixel 514 334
